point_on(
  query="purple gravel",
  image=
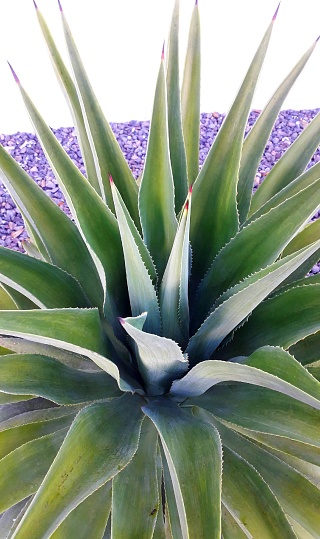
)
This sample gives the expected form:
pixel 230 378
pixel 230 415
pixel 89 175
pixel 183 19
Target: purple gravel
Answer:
pixel 132 138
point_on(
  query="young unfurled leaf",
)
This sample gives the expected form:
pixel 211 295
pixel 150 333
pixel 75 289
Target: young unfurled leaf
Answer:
pixel 156 195
pixel 160 360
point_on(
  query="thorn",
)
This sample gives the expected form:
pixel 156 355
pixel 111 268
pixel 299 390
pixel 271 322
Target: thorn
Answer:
pixel 317 39
pixel 121 320
pixel 276 12
pixel 35 5
pixel 190 189
pixel 196 2
pixel 14 74
pixel 162 54
pixel 187 205
pixel 110 179
pixel 60 6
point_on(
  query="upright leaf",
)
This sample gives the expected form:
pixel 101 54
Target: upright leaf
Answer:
pixel 190 97
pixel 142 293
pixel 84 202
pixel 51 225
pixel 252 248
pixel 174 300
pixel 241 303
pixel 176 141
pixel 257 138
pixel 299 307
pixel 104 146
pixel 290 166
pixel 70 93
pixel 214 213
pixel 156 195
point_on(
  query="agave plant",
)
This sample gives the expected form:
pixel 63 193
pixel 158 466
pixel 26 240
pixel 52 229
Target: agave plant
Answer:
pixel 167 329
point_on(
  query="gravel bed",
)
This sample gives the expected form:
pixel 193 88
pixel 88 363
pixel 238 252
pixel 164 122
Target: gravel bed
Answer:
pixel 132 138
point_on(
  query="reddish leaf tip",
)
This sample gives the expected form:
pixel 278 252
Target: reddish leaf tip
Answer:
pixel 60 6
pixel 35 5
pixel 14 73
pixel 121 320
pixel 110 179
pixel 162 53
pixel 187 205
pixel 276 12
pixel 190 189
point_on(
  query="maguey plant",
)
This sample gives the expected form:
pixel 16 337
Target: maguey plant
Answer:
pixel 160 360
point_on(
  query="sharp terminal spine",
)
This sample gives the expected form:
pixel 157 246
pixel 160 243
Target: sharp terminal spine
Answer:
pixel 110 179
pixel 121 320
pixel 276 12
pixel 35 5
pixel 60 6
pixel 162 53
pixel 14 73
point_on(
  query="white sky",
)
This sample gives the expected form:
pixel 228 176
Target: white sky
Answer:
pixel 120 42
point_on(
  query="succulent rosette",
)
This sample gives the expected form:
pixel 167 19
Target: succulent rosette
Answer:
pixel 160 351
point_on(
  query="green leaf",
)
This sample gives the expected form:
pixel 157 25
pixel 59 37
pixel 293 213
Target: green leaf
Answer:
pixel 303 181
pixel 310 233
pixel 6 301
pixel 307 350
pixel 29 374
pixel 191 468
pixel 239 305
pixel 173 526
pixel 89 519
pixel 214 213
pixel 253 506
pixel 6 398
pixel 9 519
pixel 298 307
pixel 141 513
pixel 174 300
pixel 70 93
pixel 142 293
pixel 14 437
pixel 84 203
pixel 231 527
pixel 21 301
pixel 253 249
pixel 176 141
pixel 190 97
pixel 307 453
pixel 160 360
pixel 298 497
pixel 156 195
pixel 75 330
pixel 31 277
pixel 260 410
pixel 52 224
pixel 290 166
pixel 8 411
pixel 22 471
pixel 255 142
pixel 95 449
pixel 106 150
pixel 209 373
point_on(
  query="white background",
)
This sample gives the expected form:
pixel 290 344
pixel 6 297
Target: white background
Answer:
pixel 120 42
